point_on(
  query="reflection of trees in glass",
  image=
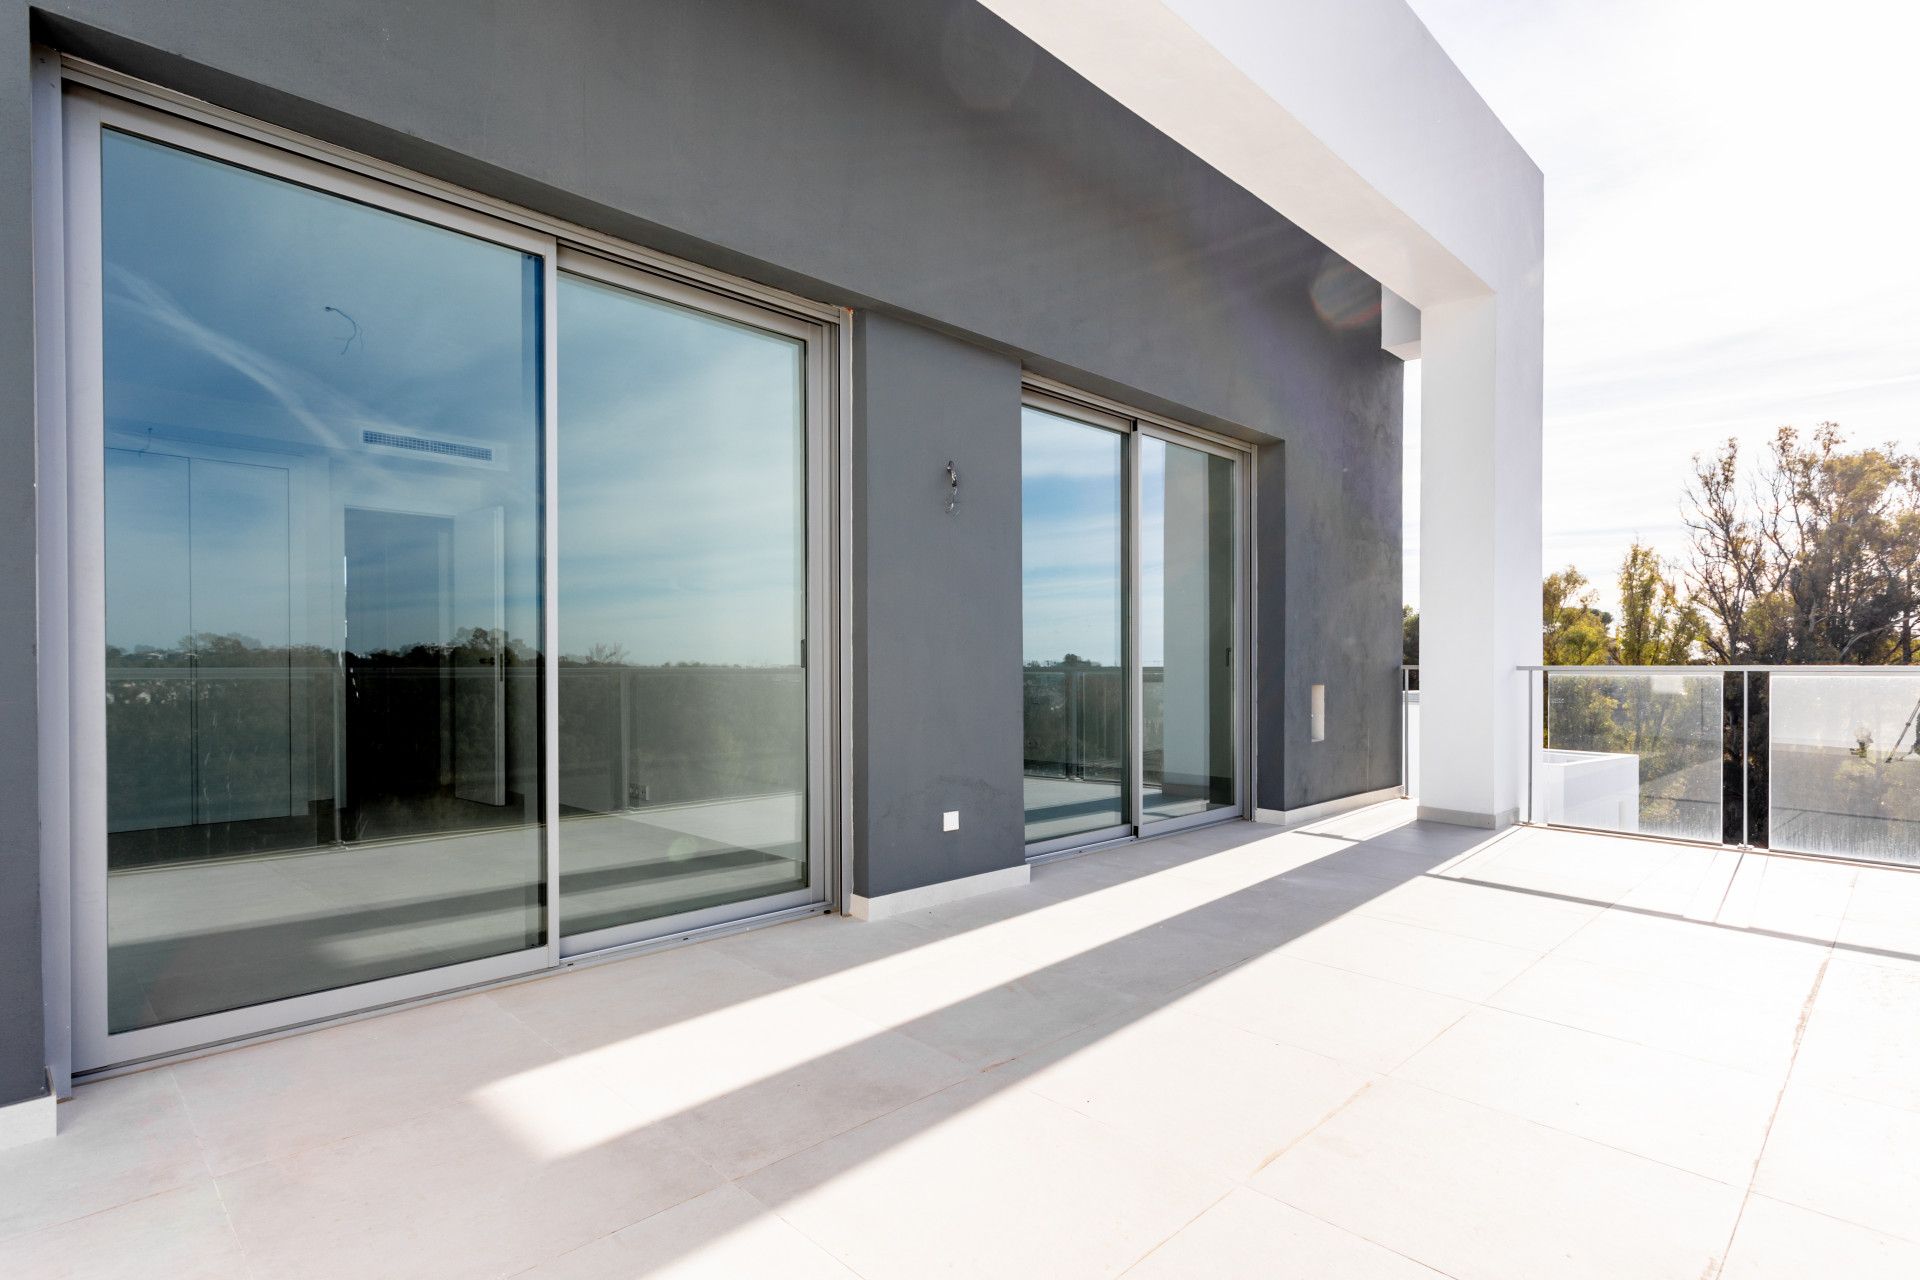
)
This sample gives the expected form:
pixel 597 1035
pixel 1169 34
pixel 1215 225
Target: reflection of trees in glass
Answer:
pixel 220 745
pixel 635 735
pixel 1076 722
pixel 1672 723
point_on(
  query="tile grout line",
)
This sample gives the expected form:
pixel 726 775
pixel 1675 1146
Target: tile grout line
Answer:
pixel 797 1229
pixel 1162 1243
pixel 1786 1079
pixel 219 1194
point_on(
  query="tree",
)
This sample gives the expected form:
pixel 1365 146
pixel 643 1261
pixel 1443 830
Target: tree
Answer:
pixel 1409 635
pixel 1813 558
pixel 1573 629
pixel 1656 628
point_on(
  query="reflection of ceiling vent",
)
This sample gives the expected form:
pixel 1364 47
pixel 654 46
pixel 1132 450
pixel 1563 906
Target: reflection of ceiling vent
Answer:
pixel 451 450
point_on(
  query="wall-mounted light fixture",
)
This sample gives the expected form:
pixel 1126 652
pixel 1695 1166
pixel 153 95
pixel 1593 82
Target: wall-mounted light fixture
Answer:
pixel 1317 714
pixel 953 487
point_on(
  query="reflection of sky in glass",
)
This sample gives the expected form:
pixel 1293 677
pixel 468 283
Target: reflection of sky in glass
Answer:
pixel 1070 539
pixel 681 483
pixel 252 323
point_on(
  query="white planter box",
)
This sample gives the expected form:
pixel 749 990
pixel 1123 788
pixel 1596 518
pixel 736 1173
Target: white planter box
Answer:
pixel 1590 789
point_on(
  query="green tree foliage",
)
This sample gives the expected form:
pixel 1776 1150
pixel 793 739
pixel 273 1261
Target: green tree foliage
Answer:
pixel 1812 557
pixel 1657 628
pixel 1573 629
pixel 1409 635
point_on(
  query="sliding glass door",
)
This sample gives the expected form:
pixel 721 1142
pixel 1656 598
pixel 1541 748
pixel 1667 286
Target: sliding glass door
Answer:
pixel 442 596
pixel 683 606
pixel 321 476
pixel 1074 627
pixel 1189 576
pixel 1134 569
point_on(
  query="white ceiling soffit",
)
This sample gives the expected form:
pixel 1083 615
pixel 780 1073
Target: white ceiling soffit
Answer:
pixel 1345 116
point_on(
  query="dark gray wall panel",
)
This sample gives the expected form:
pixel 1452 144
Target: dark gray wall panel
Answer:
pixel 1342 593
pixel 22 1063
pixel 937 667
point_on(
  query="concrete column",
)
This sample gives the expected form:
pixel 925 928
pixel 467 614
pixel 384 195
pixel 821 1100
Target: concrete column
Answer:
pixel 1480 514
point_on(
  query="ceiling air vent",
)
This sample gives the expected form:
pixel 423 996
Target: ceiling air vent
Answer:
pixel 451 450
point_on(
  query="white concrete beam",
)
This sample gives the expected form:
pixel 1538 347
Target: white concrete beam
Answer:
pixel 1399 326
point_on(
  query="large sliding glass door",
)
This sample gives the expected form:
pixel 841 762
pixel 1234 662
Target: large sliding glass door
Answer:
pixel 1074 626
pixel 1189 597
pixel 350 465
pixel 1133 605
pixel 683 606
pixel 321 473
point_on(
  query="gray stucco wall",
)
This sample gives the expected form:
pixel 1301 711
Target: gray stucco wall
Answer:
pixel 936 667
pixel 915 159
pixel 22 1065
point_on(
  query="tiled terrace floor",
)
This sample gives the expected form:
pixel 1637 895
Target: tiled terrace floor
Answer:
pixel 1375 1048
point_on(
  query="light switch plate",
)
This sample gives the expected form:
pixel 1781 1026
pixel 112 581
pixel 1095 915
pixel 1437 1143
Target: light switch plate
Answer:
pixel 950 820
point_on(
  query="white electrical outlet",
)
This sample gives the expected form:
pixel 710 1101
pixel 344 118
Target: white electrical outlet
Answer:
pixel 950 820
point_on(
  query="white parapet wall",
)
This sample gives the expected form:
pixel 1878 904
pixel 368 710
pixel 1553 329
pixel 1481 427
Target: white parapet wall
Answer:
pixel 1589 789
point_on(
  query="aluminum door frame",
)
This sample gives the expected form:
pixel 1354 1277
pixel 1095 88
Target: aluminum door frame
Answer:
pixel 1135 426
pixel 819 365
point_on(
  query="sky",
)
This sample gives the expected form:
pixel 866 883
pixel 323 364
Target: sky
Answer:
pixel 1731 237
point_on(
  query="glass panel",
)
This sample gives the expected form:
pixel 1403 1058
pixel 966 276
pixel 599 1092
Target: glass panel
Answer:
pixel 1072 626
pixel 1634 751
pixel 683 705
pixel 1846 765
pixel 1188 567
pixel 322 589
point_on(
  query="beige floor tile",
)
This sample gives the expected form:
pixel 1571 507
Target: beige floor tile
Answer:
pixel 1435 842
pixel 1514 919
pixel 723 1235
pixel 1248 1236
pixel 1705 954
pixel 523 1173
pixel 985 1179
pixel 1750 1030
pixel 1885 893
pixel 597 1004
pixel 1583 867
pixel 1692 884
pixel 1881 939
pixel 1863 1037
pixel 1383 862
pixel 960 1009
pixel 1199 1090
pixel 1698 1116
pixel 1154 962
pixel 1447 963
pixel 770 1119
pixel 1260 861
pixel 816 946
pixel 274 1099
pixel 1848 1158
pixel 1368 1023
pixel 181 1234
pixel 1373 820
pixel 119 1140
pixel 1788 896
pixel 1777 1241
pixel 756 1081
pixel 1481 1195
